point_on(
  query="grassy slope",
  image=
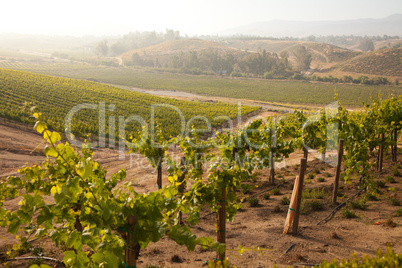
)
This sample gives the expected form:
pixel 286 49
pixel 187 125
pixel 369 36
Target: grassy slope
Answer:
pixel 380 62
pixel 55 97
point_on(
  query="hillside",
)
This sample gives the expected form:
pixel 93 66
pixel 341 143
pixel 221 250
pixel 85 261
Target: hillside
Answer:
pixel 177 46
pixel 56 97
pixel 256 45
pixel 321 52
pixel 330 53
pixel 386 62
pixel 162 53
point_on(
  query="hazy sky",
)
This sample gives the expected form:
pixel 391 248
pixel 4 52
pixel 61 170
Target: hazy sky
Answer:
pixel 80 17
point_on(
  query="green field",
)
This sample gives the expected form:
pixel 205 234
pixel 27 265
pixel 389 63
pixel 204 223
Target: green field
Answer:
pixel 55 97
pixel 274 91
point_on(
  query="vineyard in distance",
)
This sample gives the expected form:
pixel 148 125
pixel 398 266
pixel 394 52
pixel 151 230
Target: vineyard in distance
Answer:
pixel 96 172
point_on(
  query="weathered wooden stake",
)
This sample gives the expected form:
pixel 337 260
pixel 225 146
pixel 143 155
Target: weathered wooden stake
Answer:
pixel 305 152
pixel 132 248
pixel 323 157
pixel 394 135
pixel 181 187
pixel 338 172
pixel 221 223
pixel 292 206
pixel 303 165
pixel 159 179
pixel 272 171
pixel 381 153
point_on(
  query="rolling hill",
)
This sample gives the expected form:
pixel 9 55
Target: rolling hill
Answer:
pixel 386 62
pixel 321 52
pixel 163 52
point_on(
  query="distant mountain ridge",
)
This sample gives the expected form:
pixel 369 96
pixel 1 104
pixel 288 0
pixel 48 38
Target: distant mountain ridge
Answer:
pixel 391 25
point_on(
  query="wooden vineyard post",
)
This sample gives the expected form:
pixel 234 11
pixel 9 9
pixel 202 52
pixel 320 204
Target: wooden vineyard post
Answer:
pixel 159 179
pixel 305 152
pixel 132 248
pixel 394 147
pixel 273 150
pixel 338 172
pixel 272 171
pixel 181 187
pixel 292 206
pixel 380 154
pixel 303 165
pixel 221 223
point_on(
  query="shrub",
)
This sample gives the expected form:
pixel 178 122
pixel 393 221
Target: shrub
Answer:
pixel 276 191
pixel 371 197
pixel 268 75
pixel 390 179
pixel 297 76
pixel 359 204
pixel 285 200
pixel 398 213
pixel 316 205
pixel 321 179
pixel 348 213
pixel 236 74
pixel 314 193
pixel 266 196
pixel 380 183
pixel 253 201
pixel 395 201
pixel 327 174
pixel 316 171
pixel 310 176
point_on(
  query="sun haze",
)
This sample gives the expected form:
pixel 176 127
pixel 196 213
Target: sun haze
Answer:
pixel 189 17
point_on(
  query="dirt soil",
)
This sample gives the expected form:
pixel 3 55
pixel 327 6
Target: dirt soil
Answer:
pixel 260 226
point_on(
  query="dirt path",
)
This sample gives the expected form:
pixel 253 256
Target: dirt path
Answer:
pixel 196 97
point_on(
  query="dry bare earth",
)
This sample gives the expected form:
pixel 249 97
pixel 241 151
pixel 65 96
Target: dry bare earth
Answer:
pixel 253 226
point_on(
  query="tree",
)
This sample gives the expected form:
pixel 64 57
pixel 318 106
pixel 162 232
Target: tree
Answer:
pixel 303 58
pixel 102 49
pixel 366 45
pixel 171 35
pixel 136 59
pixel 285 57
pixel 119 48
